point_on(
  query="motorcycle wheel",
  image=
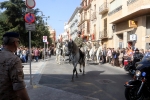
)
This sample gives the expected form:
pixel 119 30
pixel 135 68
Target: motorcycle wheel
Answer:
pixel 130 94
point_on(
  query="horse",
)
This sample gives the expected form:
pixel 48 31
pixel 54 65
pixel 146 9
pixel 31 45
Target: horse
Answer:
pixel 92 53
pixel 63 52
pixel 98 53
pixel 77 56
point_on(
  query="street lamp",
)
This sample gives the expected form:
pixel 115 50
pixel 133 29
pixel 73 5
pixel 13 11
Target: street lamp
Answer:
pixel 46 18
pixel 44 15
pixel 41 13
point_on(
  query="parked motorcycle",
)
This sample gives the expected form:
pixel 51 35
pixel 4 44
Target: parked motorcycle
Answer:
pixel 131 66
pixel 139 87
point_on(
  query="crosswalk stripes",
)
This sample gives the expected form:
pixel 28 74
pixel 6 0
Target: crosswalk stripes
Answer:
pixel 35 67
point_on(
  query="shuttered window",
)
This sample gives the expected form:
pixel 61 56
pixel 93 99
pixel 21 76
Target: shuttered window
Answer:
pixel 147 46
pixel 147 25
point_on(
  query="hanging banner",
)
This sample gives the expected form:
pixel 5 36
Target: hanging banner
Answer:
pixel 44 38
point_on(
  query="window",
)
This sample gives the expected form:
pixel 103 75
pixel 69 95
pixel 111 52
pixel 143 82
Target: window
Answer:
pixel 147 25
pixel 128 35
pixel 114 4
pixel 147 46
pixel 120 44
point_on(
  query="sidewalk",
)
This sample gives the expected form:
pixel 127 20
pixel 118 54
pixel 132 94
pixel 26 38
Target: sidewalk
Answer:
pixel 40 92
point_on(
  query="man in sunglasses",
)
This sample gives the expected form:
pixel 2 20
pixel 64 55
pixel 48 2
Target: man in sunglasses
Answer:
pixel 12 86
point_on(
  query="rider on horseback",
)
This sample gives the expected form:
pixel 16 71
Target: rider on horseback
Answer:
pixel 79 42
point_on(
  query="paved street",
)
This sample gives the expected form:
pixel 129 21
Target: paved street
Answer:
pixel 102 82
pixel 36 69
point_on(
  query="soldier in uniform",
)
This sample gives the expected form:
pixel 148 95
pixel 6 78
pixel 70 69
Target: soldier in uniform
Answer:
pixel 78 40
pixel 12 86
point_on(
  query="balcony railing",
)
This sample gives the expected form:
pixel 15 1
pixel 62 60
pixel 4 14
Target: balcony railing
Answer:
pixel 130 2
pixel 104 8
pixel 103 34
pixel 115 10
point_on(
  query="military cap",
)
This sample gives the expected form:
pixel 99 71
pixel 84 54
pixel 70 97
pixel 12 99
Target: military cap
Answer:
pixel 79 32
pixel 11 34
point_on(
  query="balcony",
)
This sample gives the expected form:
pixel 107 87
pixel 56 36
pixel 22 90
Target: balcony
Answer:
pixel 82 22
pixel 93 16
pixel 103 34
pixel 104 8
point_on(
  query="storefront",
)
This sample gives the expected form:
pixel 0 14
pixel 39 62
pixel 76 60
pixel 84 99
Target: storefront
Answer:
pixel 127 36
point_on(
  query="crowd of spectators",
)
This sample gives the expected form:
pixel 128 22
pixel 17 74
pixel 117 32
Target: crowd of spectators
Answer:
pixel 116 57
pixel 36 53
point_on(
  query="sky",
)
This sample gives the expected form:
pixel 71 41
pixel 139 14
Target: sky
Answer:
pixel 59 11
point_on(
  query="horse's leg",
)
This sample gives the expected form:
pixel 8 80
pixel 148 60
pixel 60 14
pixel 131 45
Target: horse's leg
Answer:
pixel 74 69
pixel 73 74
pixel 83 67
pixel 76 74
pixel 80 68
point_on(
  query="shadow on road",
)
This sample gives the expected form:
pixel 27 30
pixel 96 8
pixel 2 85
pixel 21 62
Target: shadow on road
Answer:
pixel 93 84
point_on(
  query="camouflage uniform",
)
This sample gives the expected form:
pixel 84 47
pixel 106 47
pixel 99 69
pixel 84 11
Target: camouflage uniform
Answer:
pixel 78 41
pixel 11 75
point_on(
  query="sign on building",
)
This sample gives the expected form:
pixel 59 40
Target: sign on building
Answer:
pixel 132 23
pixel 133 37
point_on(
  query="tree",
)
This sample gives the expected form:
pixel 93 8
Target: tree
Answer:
pixel 3 25
pixel 12 19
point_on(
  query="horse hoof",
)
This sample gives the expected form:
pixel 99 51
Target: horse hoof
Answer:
pixel 80 70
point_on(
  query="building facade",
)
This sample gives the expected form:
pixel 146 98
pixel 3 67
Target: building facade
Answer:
pixel 66 34
pixel 113 23
pixel 73 23
pixel 84 23
pixel 105 33
pixel 131 23
pixel 53 36
pixel 94 21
